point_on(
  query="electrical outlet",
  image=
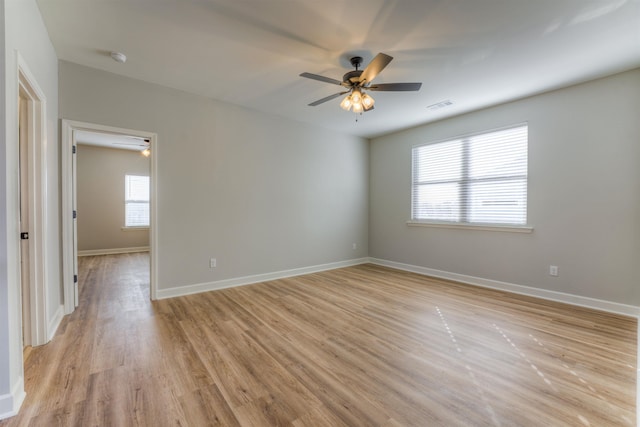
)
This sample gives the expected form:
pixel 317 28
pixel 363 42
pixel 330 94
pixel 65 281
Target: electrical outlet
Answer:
pixel 355 246
pixel 553 270
pixel 212 263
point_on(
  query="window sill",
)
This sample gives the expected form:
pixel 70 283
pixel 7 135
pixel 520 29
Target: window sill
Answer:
pixel 480 227
pixel 140 228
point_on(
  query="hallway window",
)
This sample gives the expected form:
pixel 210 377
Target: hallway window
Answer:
pixel 136 201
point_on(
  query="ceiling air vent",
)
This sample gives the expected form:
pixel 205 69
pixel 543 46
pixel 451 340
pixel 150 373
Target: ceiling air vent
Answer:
pixel 439 105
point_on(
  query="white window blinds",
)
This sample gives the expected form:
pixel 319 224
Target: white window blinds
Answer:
pixel 478 179
pixel 136 201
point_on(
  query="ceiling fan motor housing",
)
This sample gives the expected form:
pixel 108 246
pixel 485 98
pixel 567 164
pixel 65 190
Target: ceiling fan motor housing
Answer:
pixel 352 77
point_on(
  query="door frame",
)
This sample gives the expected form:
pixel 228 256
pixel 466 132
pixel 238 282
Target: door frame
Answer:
pixel 37 192
pixel 68 172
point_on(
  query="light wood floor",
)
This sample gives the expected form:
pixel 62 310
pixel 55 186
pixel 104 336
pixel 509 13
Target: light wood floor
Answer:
pixel 360 346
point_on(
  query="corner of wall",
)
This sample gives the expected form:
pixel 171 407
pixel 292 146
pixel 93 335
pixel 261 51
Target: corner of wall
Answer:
pixel 10 403
pixel 54 322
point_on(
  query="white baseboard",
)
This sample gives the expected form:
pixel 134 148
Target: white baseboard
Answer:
pixel 10 403
pixel 52 327
pixel 612 307
pixel 93 252
pixel 248 280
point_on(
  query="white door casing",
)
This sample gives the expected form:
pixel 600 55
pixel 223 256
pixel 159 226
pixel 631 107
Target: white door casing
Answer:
pixel 69 231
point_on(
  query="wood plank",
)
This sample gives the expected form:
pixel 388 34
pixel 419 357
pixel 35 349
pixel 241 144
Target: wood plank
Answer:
pixel 359 346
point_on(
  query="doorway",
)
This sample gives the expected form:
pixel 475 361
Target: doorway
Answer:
pixel 71 130
pixel 111 169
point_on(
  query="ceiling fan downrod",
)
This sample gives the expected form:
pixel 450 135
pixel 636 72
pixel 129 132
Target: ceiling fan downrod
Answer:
pixel 356 61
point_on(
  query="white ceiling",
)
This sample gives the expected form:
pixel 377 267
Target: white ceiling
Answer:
pixel 474 53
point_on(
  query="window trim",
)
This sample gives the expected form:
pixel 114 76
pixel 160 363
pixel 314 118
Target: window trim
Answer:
pixel 134 227
pixel 513 228
pixel 472 226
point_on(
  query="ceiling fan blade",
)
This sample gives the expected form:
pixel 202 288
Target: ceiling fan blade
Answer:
pixel 321 78
pixel 375 66
pixel 396 87
pixel 132 143
pixel 327 98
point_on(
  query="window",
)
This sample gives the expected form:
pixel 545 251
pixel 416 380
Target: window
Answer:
pixel 136 201
pixel 477 179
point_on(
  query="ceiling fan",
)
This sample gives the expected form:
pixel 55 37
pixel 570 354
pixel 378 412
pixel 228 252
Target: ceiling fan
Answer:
pixel 132 141
pixel 136 143
pixel 357 80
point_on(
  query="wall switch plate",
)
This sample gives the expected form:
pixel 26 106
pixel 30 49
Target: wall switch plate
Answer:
pixel 553 270
pixel 212 263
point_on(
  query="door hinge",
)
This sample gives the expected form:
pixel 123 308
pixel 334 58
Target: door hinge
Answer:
pixel 24 236
pixel 73 149
pixel 75 214
pixel 75 278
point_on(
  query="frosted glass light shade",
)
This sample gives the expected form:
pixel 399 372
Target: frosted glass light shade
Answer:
pixel 356 96
pixel 346 103
pixel 367 101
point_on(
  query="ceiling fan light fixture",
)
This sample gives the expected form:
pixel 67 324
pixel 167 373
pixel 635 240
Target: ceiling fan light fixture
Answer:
pixel 367 101
pixel 356 96
pixel 346 103
pixel 357 107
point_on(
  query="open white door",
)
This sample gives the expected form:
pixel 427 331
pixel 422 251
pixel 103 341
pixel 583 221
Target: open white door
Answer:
pixel 25 283
pixel 74 198
pixel 33 231
pixel 69 254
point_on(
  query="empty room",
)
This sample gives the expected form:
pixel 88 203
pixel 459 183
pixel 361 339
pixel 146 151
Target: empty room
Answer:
pixel 303 213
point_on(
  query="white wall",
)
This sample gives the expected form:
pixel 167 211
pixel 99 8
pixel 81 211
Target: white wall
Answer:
pixel 584 195
pixel 260 193
pixel 24 32
pixel 100 194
